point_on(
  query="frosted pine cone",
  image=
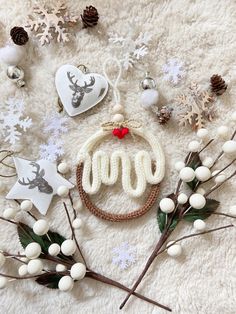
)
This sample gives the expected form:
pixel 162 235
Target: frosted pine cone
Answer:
pixel 218 85
pixel 164 114
pixel 90 17
pixel 19 35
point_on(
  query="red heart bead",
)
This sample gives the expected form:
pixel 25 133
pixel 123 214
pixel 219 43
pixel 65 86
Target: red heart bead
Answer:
pixel 124 131
pixel 120 133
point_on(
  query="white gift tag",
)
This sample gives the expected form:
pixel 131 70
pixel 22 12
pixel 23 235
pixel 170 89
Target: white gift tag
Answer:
pixel 78 91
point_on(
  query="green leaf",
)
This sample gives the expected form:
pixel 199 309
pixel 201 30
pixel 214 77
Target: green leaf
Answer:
pixel 203 213
pixel 161 219
pixel 49 280
pixel 194 163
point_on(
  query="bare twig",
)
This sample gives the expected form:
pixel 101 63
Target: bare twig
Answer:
pixel 219 185
pixel 8 220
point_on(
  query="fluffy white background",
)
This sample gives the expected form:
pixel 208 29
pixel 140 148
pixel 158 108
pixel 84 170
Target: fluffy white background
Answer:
pixel 203 35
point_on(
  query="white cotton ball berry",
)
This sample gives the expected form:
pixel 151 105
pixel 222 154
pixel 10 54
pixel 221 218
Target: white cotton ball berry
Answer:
pixel 202 133
pixel 33 250
pixel 2 259
pixel 78 271
pixel 223 131
pixel 197 201
pixel 78 205
pixel 118 108
pixel 41 227
pixel 208 162
pixel 63 191
pixel 118 117
pixel 60 268
pixel 200 191
pixel 175 250
pixel 66 283
pixel 220 178
pixel 233 116
pixel 229 147
pixel 54 249
pixel 232 210
pixel 3 282
pixel 167 205
pixel 199 225
pixel 179 165
pixel 194 146
pixel 203 173
pixel 26 205
pixel 35 266
pixel 10 213
pixel 2 187
pixel 187 174
pixel 77 223
pixel 12 54
pixel 23 270
pixel 68 247
pixel 149 98
pixel 182 198
pixel 63 167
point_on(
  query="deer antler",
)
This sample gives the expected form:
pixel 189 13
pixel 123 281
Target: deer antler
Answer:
pixel 92 81
pixel 22 182
pixel 37 166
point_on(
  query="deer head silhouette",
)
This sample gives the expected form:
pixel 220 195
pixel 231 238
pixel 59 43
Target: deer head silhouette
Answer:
pixel 38 182
pixel 79 91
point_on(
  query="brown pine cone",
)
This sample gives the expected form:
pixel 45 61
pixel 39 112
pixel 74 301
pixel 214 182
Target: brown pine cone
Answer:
pixel 90 16
pixel 218 85
pixel 164 114
pixel 19 35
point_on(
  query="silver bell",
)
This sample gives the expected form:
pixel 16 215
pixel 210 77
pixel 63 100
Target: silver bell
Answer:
pixel 16 74
pixel 148 82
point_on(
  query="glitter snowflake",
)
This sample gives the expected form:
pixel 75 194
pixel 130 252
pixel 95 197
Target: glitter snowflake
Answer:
pixel 132 48
pixel 173 71
pixel 56 125
pixel 124 255
pixel 12 121
pixel 48 23
pixel 52 150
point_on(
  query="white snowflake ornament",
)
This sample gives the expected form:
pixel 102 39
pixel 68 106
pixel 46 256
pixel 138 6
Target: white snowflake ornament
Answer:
pixel 38 181
pixel 173 71
pixel 51 150
pixel 55 125
pixel 125 255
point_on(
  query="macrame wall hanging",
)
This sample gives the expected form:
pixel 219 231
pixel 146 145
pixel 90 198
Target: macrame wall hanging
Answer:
pixel 98 167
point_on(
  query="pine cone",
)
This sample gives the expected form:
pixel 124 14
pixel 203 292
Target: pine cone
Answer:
pixel 164 114
pixel 218 85
pixel 90 16
pixel 19 36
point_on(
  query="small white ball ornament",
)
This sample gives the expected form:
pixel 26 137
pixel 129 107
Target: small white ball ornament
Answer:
pixel 63 191
pixel 77 223
pixel 33 250
pixel 179 165
pixel 23 270
pixel 197 201
pixel 175 250
pixel 68 247
pixel 10 213
pixel 203 173
pixel 41 227
pixel 35 266
pixel 208 162
pixel 2 259
pixel 167 205
pixel 149 98
pixel 54 249
pixel 187 174
pixel 118 108
pixel 3 282
pixel 202 133
pixel 229 147
pixel 66 283
pixel 201 191
pixel 199 225
pixel 2 186
pixel 26 205
pixel 63 167
pixel 118 117
pixel 78 205
pixel 220 178
pixel 232 210
pixel 60 268
pixel 182 198
pixel 194 146
pixel 78 271
pixel 12 54
pixel 223 131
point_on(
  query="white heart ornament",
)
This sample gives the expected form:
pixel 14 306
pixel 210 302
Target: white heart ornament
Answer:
pixel 78 91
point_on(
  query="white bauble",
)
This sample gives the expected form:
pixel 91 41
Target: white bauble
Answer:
pixel 63 191
pixel 208 162
pixel 167 205
pixel 12 54
pixel 229 147
pixel 77 223
pixel 182 198
pixel 26 205
pixel 54 249
pixel 118 117
pixel 10 213
pixel 2 259
pixel 118 108
pixel 199 225
pixel 197 201
pixel 78 205
pixel 203 173
pixel 179 165
pixel 201 191
pixel 2 187
pixel 202 133
pixel 60 268
pixel 187 174
pixel 194 146
pixel 63 167
pixel 41 227
pixel 78 271
pixel 66 283
pixel 223 131
pixel 23 270
pixel 149 98
pixel 232 210
pixel 68 247
pixel 3 282
pixel 33 250
pixel 35 266
pixel 175 250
